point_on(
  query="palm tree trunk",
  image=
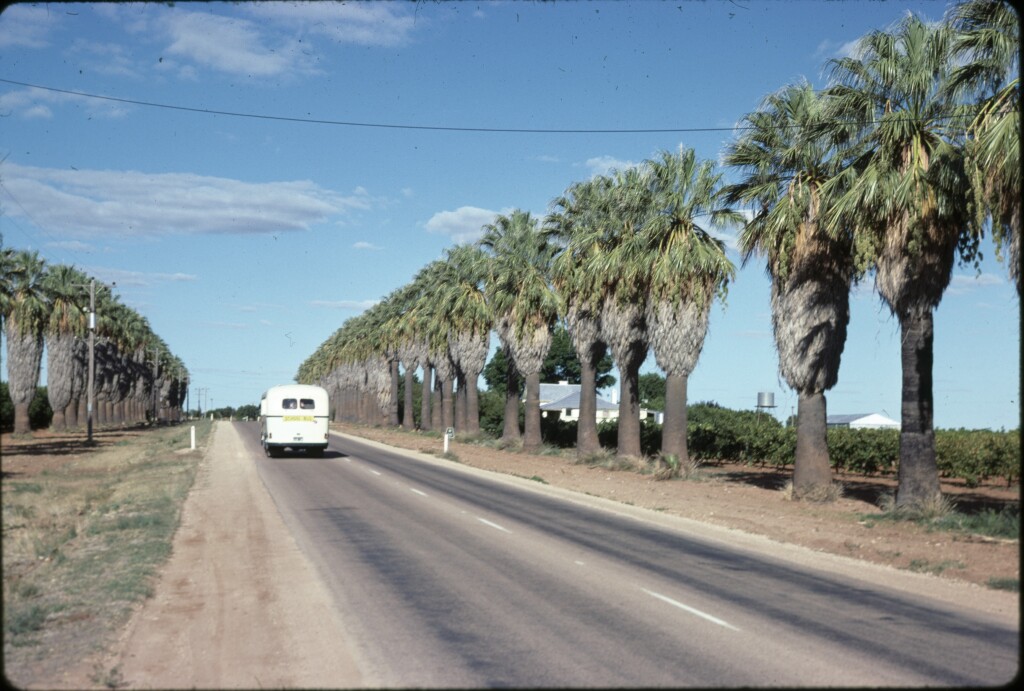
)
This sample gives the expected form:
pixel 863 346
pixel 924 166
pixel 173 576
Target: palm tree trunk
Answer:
pixel 24 357
pixel 811 469
pixel 587 441
pixel 71 415
pixel 436 416
pixel 629 405
pixel 59 376
pixel 918 471
pixel 472 407
pixel 673 428
pixel 447 404
pixel 425 389
pixel 460 402
pixel 531 429
pixel 511 432
pixel 408 420
pixel 393 403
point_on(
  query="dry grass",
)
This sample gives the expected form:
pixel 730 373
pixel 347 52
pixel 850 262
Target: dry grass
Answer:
pixel 816 494
pixel 84 533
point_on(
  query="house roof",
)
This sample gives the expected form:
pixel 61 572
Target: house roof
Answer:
pixel 572 401
pixel 862 420
pixel 553 392
pixel 845 419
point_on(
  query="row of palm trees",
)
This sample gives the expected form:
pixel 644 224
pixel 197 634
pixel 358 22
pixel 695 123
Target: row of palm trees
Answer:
pixel 135 375
pixel 894 170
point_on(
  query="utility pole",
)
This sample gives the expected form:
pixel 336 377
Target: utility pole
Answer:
pixel 91 395
pixel 91 401
pixel 156 391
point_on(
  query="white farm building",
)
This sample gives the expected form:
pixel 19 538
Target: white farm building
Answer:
pixel 862 421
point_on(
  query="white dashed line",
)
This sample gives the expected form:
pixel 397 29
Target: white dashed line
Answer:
pixel 375 472
pixel 416 491
pixel 493 525
pixel 691 610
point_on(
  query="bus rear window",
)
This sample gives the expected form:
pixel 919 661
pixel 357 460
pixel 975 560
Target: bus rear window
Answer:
pixel 306 403
pixel 288 404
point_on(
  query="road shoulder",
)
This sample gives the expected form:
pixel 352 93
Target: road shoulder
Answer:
pixel 238 605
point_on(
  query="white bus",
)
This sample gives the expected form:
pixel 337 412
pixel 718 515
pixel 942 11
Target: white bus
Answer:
pixel 295 417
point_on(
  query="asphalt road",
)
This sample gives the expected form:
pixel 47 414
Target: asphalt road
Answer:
pixel 447 577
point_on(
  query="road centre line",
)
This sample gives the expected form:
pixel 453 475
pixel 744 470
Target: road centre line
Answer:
pixel 691 610
pixel 416 491
pixel 375 472
pixel 493 525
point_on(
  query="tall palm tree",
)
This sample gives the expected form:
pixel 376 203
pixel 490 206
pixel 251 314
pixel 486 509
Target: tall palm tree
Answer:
pixel 685 270
pixel 67 322
pixel 988 46
pixel 619 266
pixel 525 307
pixel 27 312
pixel 906 196
pixel 465 303
pixel 573 224
pixel 785 159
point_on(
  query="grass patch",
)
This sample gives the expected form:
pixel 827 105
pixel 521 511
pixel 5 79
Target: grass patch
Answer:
pixel 538 478
pixel 943 516
pixel 26 488
pixel 1010 584
pixel 89 542
pixel 607 459
pixel 19 621
pixel 925 566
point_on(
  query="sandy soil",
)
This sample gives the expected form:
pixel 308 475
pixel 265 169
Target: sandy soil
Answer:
pixel 238 606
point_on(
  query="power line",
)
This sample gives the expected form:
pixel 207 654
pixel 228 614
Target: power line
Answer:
pixel 347 123
pixel 380 125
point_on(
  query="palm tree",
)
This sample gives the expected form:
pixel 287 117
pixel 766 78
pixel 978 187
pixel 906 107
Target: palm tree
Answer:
pixel 989 46
pixel 619 268
pixel 68 321
pixel 525 307
pixel 906 197
pixel 785 161
pixel 27 312
pixel 574 222
pixel 685 270
pixel 463 299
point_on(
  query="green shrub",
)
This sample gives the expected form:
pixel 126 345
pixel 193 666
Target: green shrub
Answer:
pixel 866 451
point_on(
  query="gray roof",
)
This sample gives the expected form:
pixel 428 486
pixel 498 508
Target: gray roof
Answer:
pixel 845 419
pixel 553 392
pixel 572 401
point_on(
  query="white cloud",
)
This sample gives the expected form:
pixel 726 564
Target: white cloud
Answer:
pixel 122 277
pixel 465 224
pixel 366 246
pixel 71 246
pixel 104 203
pixel 361 23
pixel 966 283
pixel 603 165
pixel 35 103
pixel 26 26
pixel 358 305
pixel 232 45
pixel 103 58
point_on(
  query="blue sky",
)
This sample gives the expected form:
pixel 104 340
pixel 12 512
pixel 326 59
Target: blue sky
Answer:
pixel 248 238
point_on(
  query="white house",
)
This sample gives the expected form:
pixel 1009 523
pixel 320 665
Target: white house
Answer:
pixel 563 399
pixel 862 421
